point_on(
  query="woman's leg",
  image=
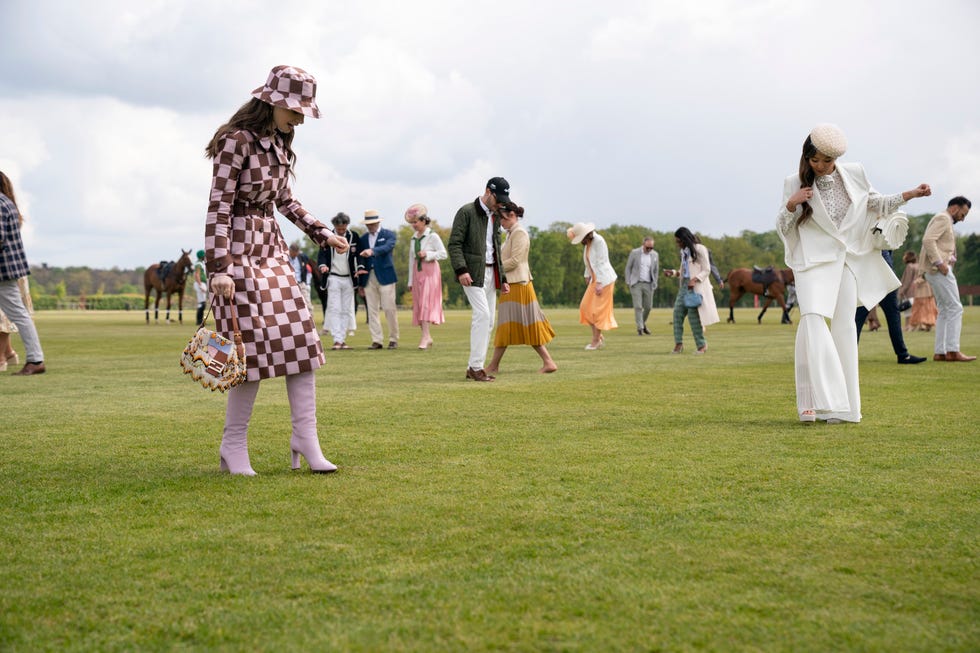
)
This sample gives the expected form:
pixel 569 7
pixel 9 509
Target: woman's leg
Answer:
pixel 844 333
pixel 694 317
pixel 679 312
pixel 549 363
pixel 234 440
pixel 494 366
pixel 301 390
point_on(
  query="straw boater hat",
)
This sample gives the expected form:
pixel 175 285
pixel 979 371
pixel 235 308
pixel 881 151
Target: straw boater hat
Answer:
pixel 371 217
pixel 414 212
pixel 290 88
pixel 829 139
pixel 579 231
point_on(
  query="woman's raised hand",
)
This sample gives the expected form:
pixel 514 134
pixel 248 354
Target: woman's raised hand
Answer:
pixel 338 243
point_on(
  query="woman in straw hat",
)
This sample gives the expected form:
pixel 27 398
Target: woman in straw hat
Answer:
pixel 520 320
pixel 826 219
pixel 247 259
pixel 424 274
pixel 596 308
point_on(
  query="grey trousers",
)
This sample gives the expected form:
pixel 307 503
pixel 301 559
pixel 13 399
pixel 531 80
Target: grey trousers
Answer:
pixel 12 305
pixel 642 293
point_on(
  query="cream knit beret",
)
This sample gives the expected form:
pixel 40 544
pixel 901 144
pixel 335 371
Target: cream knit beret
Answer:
pixel 829 140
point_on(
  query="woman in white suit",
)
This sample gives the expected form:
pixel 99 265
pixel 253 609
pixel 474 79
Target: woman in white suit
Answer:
pixel 694 276
pixel 596 308
pixel 825 222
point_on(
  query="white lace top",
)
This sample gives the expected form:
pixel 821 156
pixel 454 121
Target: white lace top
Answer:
pixel 837 202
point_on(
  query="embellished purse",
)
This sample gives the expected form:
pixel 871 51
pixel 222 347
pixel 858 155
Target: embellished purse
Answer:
pixel 211 359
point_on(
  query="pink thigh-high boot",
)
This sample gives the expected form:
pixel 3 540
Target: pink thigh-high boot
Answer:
pixel 301 389
pixel 234 441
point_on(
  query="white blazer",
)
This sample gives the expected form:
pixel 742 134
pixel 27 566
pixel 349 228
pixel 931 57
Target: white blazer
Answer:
pixel 431 245
pixel 598 258
pixel 817 251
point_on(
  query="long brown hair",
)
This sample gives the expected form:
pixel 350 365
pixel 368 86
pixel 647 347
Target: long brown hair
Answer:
pixel 807 177
pixel 7 189
pixel 255 116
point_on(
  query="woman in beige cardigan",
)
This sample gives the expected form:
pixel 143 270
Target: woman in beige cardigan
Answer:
pixel 520 320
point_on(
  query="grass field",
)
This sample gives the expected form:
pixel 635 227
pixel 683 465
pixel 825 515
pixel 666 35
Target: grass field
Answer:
pixel 634 500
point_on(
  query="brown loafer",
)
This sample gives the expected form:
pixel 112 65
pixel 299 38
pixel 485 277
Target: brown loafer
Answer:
pixel 478 375
pixel 376 345
pixel 31 368
pixel 952 356
pixel 392 345
pixel 939 357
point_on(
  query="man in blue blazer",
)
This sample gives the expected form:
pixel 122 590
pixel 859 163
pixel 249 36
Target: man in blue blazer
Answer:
pixel 378 285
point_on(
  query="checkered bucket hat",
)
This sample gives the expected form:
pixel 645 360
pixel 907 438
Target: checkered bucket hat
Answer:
pixel 290 88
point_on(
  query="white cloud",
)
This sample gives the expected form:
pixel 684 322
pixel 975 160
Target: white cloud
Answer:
pixel 660 113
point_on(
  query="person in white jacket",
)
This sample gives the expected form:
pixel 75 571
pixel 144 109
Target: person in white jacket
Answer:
pixel 596 308
pixel 826 220
pixel 695 277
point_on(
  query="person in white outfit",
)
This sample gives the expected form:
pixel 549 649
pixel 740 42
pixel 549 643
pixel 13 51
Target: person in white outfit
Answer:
pixel 825 222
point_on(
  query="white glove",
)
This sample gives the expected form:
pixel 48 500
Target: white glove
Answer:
pixel 222 285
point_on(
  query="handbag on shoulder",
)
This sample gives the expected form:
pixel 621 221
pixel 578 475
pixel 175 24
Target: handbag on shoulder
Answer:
pixel 211 359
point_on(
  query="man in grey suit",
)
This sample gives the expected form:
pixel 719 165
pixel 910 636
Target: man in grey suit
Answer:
pixel 642 268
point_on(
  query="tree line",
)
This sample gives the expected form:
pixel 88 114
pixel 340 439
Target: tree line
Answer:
pixel 556 265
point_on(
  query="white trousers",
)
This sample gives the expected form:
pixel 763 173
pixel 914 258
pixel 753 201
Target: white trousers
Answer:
pixel 340 307
pixel 827 359
pixel 12 304
pixel 483 301
pixel 950 318
pixel 381 298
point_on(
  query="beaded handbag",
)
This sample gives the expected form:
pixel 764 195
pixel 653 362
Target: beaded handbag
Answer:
pixel 211 359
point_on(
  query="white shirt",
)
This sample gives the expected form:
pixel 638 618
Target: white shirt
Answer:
pixel 646 263
pixel 489 232
pixel 297 267
pixel 339 264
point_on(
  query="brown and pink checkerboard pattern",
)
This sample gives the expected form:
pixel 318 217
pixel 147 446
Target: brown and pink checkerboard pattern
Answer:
pixel 242 238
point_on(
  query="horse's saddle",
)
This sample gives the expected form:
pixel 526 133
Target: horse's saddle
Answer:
pixel 765 276
pixel 164 270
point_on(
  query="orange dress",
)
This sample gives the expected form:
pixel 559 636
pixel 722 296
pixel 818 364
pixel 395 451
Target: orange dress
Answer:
pixel 597 310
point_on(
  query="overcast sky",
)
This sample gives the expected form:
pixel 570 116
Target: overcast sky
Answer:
pixel 687 112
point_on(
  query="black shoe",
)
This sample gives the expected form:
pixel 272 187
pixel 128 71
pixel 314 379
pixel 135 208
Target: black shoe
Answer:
pixel 639 332
pixel 376 345
pixel 646 331
pixel 911 360
pixel 392 345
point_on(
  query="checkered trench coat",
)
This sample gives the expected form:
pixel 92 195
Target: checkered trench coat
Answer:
pixel 242 239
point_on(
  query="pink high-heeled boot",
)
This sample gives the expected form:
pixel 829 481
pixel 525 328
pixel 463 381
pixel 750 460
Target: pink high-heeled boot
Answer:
pixel 301 389
pixel 234 440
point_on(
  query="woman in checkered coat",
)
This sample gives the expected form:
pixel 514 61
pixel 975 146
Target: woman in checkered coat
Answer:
pixel 246 257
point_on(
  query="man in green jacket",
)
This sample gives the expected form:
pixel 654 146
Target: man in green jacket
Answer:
pixel 474 253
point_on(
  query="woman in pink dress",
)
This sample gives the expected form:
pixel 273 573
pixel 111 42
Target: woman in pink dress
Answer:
pixel 424 274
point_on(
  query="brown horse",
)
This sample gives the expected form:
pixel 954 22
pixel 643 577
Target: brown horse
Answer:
pixel 167 281
pixel 740 282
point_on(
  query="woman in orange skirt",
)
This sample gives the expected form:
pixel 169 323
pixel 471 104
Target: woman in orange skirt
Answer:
pixel 520 320
pixel 596 308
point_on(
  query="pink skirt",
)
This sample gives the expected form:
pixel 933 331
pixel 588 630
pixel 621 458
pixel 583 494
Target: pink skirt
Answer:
pixel 427 294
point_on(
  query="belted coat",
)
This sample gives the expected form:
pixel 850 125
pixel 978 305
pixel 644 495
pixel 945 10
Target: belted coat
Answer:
pixel 242 239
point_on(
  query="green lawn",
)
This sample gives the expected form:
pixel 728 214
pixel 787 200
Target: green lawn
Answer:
pixel 634 500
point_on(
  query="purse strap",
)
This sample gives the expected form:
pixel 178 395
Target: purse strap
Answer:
pixel 236 332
